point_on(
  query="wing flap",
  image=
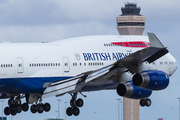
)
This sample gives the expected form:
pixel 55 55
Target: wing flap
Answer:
pixel 74 84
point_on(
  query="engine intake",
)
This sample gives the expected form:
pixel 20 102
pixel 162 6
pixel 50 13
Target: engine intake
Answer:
pixel 129 90
pixel 153 80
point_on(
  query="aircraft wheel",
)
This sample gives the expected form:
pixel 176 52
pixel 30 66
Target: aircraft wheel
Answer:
pixel 7 111
pixel 148 102
pixel 72 103
pixel 19 108
pixel 10 102
pixel 47 107
pixel 76 111
pixel 79 102
pixel 142 102
pixel 33 108
pixel 25 107
pixel 40 108
pixel 69 111
pixel 13 110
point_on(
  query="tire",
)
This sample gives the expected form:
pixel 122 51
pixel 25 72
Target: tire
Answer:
pixel 69 111
pixel 72 102
pixel 13 110
pixel 19 109
pixel 33 108
pixel 79 102
pixel 46 107
pixel 76 111
pixel 7 111
pixel 148 102
pixel 142 102
pixel 10 102
pixel 40 108
pixel 25 107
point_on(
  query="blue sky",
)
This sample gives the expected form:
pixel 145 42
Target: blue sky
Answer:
pixel 50 20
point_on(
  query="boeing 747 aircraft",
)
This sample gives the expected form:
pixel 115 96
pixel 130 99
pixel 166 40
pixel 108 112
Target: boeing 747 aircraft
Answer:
pixel 134 66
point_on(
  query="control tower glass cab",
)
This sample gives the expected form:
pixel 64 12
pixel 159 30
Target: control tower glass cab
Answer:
pixel 130 9
pixel 130 22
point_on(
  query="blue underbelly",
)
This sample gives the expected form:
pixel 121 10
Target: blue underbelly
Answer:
pixel 26 85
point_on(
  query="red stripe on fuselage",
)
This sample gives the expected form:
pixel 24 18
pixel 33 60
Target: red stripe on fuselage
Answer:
pixel 132 44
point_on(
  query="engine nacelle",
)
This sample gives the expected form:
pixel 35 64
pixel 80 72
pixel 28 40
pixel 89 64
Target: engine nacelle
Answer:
pixel 152 80
pixel 129 90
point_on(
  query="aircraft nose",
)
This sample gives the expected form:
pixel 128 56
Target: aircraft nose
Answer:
pixel 174 68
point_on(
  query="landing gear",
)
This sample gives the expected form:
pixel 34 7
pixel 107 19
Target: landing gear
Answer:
pixel 74 110
pixel 145 102
pixel 15 105
pixel 40 108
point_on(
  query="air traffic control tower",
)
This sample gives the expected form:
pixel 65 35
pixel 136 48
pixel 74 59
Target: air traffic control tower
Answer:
pixel 130 22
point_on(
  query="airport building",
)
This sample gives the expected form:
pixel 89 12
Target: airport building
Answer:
pixel 130 22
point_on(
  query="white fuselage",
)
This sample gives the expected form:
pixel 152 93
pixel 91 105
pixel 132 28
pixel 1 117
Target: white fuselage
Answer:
pixel 25 67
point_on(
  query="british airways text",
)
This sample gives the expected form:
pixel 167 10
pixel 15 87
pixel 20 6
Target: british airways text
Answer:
pixel 104 56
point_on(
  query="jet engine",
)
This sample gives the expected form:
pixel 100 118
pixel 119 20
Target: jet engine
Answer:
pixel 129 90
pixel 152 80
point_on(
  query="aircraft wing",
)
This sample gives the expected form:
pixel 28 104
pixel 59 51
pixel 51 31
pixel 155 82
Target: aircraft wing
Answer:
pixel 149 54
pixel 75 84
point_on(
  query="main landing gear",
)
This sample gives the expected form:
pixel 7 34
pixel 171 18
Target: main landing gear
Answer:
pixel 15 106
pixel 145 102
pixel 40 107
pixel 74 110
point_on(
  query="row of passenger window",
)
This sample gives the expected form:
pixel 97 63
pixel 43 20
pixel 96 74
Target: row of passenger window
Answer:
pixel 142 45
pixel 43 64
pixel 171 63
pixel 6 65
pixel 90 64
pixel 131 45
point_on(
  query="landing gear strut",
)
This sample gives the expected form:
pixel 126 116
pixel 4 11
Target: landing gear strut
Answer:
pixel 74 110
pixel 145 102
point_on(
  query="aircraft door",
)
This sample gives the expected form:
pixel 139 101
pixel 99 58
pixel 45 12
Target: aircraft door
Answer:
pixel 20 66
pixel 126 45
pixel 66 64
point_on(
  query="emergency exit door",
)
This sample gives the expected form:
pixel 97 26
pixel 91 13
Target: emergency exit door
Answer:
pixel 66 64
pixel 20 65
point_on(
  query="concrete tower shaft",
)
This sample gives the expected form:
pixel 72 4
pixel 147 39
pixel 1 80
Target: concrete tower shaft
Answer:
pixel 130 22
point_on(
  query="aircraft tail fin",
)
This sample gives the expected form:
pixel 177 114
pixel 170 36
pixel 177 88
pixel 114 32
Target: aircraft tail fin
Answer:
pixel 154 41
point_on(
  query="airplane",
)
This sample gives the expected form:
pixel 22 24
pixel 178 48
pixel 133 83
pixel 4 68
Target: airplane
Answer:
pixel 134 66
